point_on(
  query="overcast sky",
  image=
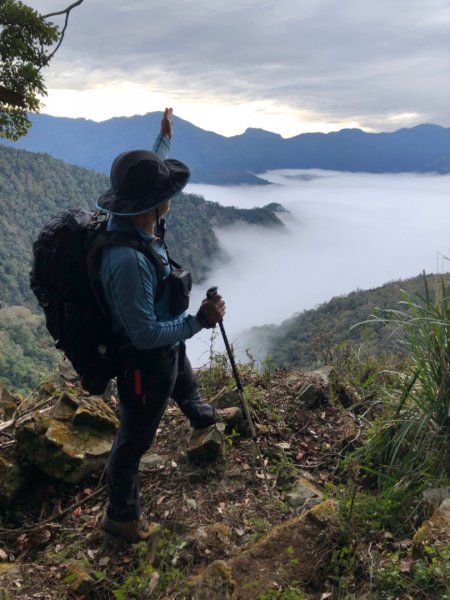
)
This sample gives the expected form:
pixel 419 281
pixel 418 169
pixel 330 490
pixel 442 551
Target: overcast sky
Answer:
pixel 285 65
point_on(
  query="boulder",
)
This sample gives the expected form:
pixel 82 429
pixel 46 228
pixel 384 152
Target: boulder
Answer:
pixel 434 531
pixel 319 389
pixel 70 442
pixel 206 444
pixel 304 495
pixel 93 412
pixel 293 551
pixel 433 498
pixel 11 480
pixel 322 387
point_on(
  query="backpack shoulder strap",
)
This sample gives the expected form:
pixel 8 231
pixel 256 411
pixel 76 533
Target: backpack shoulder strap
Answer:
pixel 102 238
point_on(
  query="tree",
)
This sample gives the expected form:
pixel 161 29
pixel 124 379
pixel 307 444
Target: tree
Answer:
pixel 27 45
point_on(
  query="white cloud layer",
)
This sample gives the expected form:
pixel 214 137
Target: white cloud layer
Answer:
pixel 375 64
pixel 344 231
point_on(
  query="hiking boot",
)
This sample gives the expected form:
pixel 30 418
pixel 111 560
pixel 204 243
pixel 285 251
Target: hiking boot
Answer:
pixel 229 416
pixel 137 530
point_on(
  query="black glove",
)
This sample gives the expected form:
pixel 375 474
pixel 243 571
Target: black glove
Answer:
pixel 211 311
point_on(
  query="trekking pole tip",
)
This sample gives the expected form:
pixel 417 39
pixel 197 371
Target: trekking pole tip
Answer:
pixel 212 291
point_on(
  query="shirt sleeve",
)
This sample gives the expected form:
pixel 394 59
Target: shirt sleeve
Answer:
pixel 161 147
pixel 131 282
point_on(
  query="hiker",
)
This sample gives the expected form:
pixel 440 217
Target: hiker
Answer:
pixel 153 365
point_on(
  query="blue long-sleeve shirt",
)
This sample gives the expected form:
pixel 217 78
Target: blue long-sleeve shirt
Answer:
pixel 129 283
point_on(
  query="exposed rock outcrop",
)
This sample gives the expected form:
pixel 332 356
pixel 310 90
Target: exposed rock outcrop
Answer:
pixel 323 387
pixel 434 531
pixel 292 551
pixel 206 444
pixel 69 442
pixel 304 495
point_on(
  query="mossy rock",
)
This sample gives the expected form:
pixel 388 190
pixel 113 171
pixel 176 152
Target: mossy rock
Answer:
pixel 215 537
pixel 64 446
pixel 304 495
pixel 94 413
pixel 80 577
pixel 66 407
pixel 293 551
pixel 434 531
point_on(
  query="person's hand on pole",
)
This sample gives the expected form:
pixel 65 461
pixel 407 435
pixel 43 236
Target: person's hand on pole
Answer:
pixel 211 311
pixel 166 123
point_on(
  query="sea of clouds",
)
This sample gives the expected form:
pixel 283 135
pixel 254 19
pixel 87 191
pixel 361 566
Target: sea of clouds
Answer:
pixel 343 231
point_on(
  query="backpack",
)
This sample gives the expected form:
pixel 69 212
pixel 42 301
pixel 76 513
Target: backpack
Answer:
pixel 64 279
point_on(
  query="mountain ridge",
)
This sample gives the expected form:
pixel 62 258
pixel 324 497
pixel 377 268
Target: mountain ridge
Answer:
pixel 234 160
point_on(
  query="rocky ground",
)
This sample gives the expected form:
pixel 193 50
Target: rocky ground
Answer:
pixel 228 530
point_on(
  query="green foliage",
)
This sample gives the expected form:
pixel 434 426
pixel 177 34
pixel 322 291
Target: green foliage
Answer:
pixel 137 580
pixel 328 334
pixel 428 577
pixel 370 524
pixel 27 355
pixel 33 189
pixel 410 441
pixel 292 592
pixel 25 38
pixel 369 513
pixel 163 573
pixel 217 373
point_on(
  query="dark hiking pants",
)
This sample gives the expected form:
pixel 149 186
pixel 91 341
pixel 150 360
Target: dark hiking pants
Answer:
pixel 146 380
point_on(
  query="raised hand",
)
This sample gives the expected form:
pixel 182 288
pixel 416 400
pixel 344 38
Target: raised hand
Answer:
pixel 166 123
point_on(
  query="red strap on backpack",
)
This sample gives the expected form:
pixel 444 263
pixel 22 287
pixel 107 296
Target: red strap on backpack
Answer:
pixel 137 382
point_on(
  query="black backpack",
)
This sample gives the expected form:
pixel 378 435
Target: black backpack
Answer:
pixel 64 278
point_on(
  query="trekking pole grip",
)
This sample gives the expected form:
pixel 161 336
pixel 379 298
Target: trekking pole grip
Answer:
pixel 212 291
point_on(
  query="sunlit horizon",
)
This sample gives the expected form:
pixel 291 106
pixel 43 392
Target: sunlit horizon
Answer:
pixel 225 118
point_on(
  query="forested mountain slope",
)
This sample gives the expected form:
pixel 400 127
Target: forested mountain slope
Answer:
pixel 319 336
pixel 34 187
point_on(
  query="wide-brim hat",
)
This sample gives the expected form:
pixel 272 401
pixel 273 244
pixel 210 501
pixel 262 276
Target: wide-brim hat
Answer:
pixel 140 181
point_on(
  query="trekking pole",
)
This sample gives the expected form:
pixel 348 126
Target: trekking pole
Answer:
pixel 212 291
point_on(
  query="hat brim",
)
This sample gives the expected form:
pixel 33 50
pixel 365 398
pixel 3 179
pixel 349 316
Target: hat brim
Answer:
pixel 128 206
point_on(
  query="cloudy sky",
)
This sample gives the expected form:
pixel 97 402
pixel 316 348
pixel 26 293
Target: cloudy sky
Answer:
pixel 288 66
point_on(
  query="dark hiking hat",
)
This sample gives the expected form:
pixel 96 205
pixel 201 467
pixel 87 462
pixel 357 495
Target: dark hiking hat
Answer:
pixel 140 181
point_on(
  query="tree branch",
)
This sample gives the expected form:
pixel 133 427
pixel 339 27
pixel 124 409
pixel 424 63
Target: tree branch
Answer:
pixel 66 12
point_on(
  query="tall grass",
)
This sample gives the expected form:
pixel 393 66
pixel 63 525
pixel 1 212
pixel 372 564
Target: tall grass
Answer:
pixel 412 438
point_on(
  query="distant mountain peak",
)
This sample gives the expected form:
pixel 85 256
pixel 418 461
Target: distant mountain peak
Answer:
pixel 260 133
